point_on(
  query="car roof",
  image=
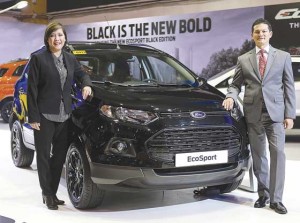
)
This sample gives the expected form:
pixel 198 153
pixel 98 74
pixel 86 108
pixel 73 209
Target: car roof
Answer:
pixel 81 45
pixel 76 46
pixel 221 73
pixel 295 58
pixel 14 62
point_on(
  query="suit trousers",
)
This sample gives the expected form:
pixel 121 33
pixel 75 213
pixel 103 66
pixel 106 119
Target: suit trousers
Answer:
pixel 270 175
pixel 51 144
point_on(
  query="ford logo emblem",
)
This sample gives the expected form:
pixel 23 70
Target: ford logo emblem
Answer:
pixel 198 114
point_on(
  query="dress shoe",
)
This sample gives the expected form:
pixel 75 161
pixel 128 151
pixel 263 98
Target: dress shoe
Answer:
pixel 278 208
pixel 261 202
pixel 57 201
pixel 50 203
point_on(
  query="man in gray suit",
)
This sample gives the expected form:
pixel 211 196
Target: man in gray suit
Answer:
pixel 269 108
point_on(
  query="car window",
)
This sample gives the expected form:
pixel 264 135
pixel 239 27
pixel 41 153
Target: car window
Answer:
pixel 135 68
pixel 19 71
pixel 163 72
pixel 296 71
pixel 3 71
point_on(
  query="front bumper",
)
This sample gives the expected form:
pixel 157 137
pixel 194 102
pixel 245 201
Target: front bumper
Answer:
pixel 130 178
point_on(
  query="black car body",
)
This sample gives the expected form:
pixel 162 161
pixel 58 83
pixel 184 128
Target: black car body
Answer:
pixel 151 124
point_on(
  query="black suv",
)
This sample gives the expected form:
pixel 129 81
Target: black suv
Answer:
pixel 151 124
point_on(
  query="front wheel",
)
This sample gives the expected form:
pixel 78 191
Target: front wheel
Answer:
pixel 83 192
pixel 6 111
pixel 21 155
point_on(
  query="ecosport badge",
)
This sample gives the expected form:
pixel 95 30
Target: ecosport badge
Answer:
pixel 198 114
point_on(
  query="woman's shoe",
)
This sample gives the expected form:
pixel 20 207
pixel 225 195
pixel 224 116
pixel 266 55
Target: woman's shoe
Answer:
pixel 50 203
pixel 57 201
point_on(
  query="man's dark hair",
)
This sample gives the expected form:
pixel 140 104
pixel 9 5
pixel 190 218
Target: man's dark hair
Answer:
pixel 260 21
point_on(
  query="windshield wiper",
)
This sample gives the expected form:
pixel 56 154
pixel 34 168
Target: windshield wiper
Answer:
pixel 146 84
pixel 174 85
pixel 109 83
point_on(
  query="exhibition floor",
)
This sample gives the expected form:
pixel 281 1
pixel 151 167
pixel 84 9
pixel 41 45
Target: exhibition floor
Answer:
pixel 21 200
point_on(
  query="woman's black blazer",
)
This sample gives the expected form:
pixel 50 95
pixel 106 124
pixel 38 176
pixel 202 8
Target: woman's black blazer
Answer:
pixel 44 92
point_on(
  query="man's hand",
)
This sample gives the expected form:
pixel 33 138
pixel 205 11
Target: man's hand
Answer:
pixel 86 91
pixel 288 123
pixel 228 103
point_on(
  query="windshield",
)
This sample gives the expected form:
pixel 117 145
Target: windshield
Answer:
pixel 123 68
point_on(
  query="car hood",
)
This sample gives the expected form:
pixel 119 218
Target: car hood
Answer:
pixel 161 99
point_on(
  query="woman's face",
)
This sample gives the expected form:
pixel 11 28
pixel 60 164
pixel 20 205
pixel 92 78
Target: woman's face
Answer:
pixel 56 40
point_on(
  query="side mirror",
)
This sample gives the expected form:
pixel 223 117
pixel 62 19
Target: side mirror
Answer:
pixel 201 80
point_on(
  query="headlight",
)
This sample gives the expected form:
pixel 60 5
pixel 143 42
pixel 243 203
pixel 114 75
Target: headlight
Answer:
pixel 128 115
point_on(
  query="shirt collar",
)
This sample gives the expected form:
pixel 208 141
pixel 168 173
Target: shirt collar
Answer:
pixel 267 49
pixel 59 59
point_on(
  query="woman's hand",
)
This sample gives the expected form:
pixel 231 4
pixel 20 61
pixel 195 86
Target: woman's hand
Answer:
pixel 86 91
pixel 35 125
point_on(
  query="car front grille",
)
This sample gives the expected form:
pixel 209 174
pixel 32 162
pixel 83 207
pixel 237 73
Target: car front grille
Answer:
pixel 168 142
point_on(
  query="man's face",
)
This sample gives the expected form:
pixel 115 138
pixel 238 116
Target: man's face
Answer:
pixel 261 35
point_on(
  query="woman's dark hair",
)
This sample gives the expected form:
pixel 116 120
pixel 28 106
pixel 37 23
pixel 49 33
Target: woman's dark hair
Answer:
pixel 52 27
pixel 260 21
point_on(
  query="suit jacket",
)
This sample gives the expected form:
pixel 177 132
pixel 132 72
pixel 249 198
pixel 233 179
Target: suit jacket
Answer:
pixel 276 88
pixel 44 92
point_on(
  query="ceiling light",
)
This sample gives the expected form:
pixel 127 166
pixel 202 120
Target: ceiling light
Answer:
pixel 19 5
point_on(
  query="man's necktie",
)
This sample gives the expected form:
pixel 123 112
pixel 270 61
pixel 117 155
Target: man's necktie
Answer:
pixel 262 63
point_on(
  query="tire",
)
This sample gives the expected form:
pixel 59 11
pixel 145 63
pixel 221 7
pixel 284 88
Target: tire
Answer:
pixel 83 192
pixel 6 111
pixel 21 155
pixel 227 188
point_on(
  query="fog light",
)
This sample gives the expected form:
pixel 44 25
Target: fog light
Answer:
pixel 121 147
pixel 118 147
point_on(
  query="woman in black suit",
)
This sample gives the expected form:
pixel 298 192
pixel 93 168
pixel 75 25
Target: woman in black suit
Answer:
pixel 50 78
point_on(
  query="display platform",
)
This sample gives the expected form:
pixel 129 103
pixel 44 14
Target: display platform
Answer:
pixel 21 200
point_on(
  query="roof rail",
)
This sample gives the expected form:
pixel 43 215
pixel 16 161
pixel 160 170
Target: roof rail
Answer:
pixel 17 60
pixel 146 46
pixel 143 45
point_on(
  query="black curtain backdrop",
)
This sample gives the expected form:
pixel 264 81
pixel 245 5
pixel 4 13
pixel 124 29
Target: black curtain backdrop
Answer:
pixel 59 5
pixel 285 20
pixel 7 3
